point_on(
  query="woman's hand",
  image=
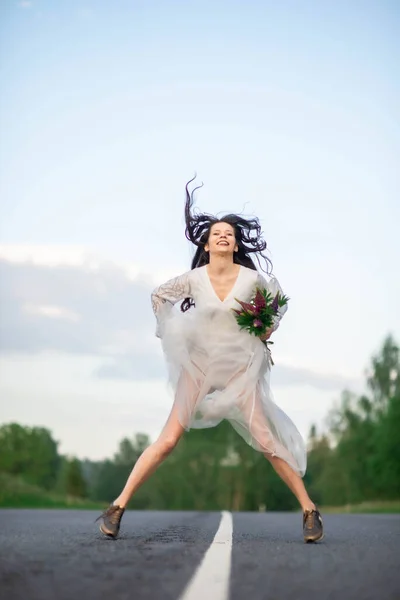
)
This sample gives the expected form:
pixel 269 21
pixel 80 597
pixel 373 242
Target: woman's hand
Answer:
pixel 265 336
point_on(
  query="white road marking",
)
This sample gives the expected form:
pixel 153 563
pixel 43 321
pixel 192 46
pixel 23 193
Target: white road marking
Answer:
pixel 212 576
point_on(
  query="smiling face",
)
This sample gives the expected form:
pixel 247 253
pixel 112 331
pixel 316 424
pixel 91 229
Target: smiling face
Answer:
pixel 221 239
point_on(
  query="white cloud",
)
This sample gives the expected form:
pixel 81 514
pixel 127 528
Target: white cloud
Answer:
pixel 50 255
pixel 52 312
pixel 285 374
pixel 25 4
pixel 47 255
pixel 74 308
pixel 70 300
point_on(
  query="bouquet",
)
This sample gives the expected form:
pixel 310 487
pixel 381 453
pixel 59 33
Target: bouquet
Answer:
pixel 257 316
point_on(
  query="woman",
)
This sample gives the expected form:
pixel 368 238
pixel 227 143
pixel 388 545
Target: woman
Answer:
pixel 218 371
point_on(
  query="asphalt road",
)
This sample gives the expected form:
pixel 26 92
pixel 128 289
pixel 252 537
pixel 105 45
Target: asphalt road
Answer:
pixel 57 554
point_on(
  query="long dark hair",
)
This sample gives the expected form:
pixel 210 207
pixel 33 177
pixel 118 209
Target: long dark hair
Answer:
pixel 247 233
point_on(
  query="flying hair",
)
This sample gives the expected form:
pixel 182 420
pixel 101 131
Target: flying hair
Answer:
pixel 248 237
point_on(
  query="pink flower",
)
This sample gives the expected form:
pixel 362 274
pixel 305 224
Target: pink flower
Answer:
pixel 248 308
pixel 259 300
pixel 257 323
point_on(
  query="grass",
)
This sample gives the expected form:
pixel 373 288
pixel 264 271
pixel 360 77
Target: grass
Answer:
pixel 16 493
pixel 379 506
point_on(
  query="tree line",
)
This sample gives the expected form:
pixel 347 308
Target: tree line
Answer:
pixel 356 459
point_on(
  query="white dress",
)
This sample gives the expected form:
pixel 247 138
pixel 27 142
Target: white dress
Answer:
pixel 218 371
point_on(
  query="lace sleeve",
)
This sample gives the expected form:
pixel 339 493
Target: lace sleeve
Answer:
pixel 166 295
pixel 273 287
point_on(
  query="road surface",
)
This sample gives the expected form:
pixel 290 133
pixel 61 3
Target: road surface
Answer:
pixel 61 555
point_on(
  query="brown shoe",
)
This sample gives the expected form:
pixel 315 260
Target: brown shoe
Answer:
pixel 111 520
pixel 313 529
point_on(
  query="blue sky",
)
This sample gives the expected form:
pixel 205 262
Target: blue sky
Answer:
pixel 286 110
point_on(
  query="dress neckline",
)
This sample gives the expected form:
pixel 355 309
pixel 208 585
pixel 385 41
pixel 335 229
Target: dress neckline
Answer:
pixel 231 290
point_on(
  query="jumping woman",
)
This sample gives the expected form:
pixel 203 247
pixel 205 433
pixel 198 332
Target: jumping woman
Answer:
pixel 217 370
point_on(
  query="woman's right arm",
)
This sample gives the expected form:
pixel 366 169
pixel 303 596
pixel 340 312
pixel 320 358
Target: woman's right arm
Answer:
pixel 166 295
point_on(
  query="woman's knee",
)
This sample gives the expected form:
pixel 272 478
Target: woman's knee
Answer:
pixel 271 456
pixel 265 443
pixel 165 445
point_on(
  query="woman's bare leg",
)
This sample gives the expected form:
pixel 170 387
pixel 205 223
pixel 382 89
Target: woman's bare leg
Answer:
pixel 259 429
pixel 156 453
pixel 152 457
pixel 292 480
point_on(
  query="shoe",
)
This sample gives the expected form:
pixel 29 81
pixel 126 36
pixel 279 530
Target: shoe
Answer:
pixel 313 529
pixel 111 520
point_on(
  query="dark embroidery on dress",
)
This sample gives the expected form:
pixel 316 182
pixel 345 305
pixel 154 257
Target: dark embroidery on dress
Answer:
pixel 172 291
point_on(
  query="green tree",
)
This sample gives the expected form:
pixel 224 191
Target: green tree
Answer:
pixel 75 484
pixel 30 452
pixel 130 450
pixel 360 458
pixel 107 478
pixel 384 383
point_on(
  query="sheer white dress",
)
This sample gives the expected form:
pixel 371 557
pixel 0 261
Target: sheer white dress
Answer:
pixel 218 371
